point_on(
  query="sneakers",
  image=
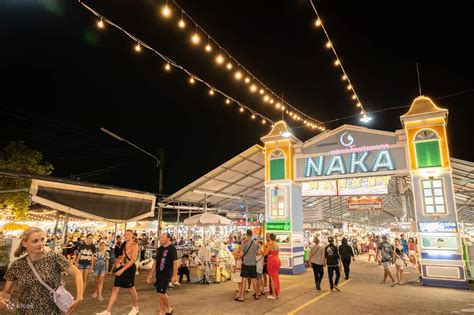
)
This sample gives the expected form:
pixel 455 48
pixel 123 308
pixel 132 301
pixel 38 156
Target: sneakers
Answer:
pixel 170 285
pixel 134 311
pixel 104 313
pixel 271 297
pixel 94 295
pixel 177 283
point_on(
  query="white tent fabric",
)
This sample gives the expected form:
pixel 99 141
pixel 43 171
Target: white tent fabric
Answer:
pixel 206 219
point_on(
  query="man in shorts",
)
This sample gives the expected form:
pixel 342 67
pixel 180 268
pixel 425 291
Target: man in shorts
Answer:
pixel 165 267
pixel 250 250
pixel 386 253
pixel 125 275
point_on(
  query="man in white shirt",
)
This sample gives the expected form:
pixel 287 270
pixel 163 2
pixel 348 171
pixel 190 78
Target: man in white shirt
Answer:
pixel 316 257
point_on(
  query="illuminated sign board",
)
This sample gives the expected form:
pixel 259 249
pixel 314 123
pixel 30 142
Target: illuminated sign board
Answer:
pixel 365 203
pixel 320 188
pixel 377 185
pixel 278 226
pixel 437 227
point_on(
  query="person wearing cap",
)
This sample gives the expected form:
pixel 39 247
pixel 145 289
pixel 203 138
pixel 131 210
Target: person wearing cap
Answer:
pixel 333 263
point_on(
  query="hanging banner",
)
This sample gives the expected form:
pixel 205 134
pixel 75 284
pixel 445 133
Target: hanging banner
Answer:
pixel 320 188
pixel 365 203
pixel 312 214
pixel 377 185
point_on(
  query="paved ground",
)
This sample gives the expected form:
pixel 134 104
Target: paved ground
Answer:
pixel 362 294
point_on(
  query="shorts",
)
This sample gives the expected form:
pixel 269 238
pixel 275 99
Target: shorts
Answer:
pixel 127 279
pixel 264 270
pixel 237 277
pixel 162 283
pixel 372 252
pixel 386 264
pixel 99 270
pixel 84 266
pixel 248 271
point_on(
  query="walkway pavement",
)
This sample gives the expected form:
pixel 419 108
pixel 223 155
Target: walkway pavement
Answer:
pixel 363 293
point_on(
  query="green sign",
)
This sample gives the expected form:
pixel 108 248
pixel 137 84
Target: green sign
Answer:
pixel 278 226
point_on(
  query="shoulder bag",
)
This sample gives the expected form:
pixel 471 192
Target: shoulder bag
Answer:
pixel 62 298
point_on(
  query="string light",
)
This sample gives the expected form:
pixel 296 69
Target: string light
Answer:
pixel 245 72
pixel 138 48
pixel 264 121
pixel 220 59
pixel 208 48
pixel 195 39
pixel 262 91
pixel 337 62
pixel 168 63
pixel 100 24
pixel 253 88
pixel 238 75
pixel 253 116
pixel 165 11
pixel 229 66
pixel 247 80
pixel 181 23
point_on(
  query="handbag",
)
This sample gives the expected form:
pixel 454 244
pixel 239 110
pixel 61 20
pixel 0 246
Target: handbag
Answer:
pixel 61 297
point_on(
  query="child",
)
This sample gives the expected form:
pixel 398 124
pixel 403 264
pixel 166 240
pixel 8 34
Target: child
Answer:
pixel 238 267
pixel 100 268
pixel 183 269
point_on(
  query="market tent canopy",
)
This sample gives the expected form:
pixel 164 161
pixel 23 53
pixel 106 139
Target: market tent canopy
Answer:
pixel 206 219
pixel 239 184
pixel 93 202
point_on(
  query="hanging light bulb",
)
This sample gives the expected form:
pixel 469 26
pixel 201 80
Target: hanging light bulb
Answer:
pixel 100 24
pixel 229 66
pixel 138 48
pixel 238 75
pixel 344 77
pixel 283 107
pixel 277 105
pixel 253 88
pixel 167 67
pixel 337 62
pixel 195 39
pixel 227 101
pixel 220 59
pixel 271 101
pixel 211 92
pixel 264 121
pixel 349 87
pixel 181 23
pixel 317 22
pixel 359 104
pixel 261 91
pixel 247 80
pixel 241 109
pixel 166 11
pixel 354 97
pixel 266 98
pixel 328 44
pixel 253 116
pixel 191 80
pixel 208 48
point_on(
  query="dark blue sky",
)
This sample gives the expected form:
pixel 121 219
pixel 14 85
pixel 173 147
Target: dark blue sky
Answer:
pixel 63 79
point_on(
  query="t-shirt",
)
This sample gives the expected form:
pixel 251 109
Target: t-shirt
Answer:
pixel 250 258
pixel 118 249
pixel 101 258
pixel 332 255
pixel 317 255
pixel 165 257
pixel 386 251
pixel 86 252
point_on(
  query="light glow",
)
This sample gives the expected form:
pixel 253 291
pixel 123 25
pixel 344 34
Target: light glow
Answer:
pixel 195 39
pixel 181 23
pixel 253 88
pixel 138 48
pixel 211 92
pixel 208 48
pixel 165 11
pixel 247 80
pixel 100 24
pixel 220 59
pixel 191 80
pixel 337 62
pixel 167 67
pixel 229 66
pixel 317 22
pixel 238 75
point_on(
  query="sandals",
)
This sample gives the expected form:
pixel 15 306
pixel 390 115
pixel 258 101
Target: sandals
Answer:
pixel 170 313
pixel 255 296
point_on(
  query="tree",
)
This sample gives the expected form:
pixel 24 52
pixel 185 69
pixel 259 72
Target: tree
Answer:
pixel 19 158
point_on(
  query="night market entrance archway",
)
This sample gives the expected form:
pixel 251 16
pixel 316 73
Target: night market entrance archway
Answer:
pixel 358 161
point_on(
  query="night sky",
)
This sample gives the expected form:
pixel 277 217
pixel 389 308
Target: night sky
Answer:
pixel 63 79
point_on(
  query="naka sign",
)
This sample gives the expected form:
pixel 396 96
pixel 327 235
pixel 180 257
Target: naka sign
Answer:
pixel 351 153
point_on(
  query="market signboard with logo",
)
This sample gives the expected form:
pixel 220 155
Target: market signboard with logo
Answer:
pixel 365 203
pixel 278 226
pixel 351 152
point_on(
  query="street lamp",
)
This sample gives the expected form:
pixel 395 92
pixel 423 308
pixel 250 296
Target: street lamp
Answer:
pixel 158 166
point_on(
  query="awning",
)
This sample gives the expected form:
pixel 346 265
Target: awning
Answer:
pixel 91 202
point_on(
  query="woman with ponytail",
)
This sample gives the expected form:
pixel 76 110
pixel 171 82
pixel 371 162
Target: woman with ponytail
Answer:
pixel 34 298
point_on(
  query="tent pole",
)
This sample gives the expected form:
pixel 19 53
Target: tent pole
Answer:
pixel 56 226
pixel 204 229
pixel 66 221
pixel 177 226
